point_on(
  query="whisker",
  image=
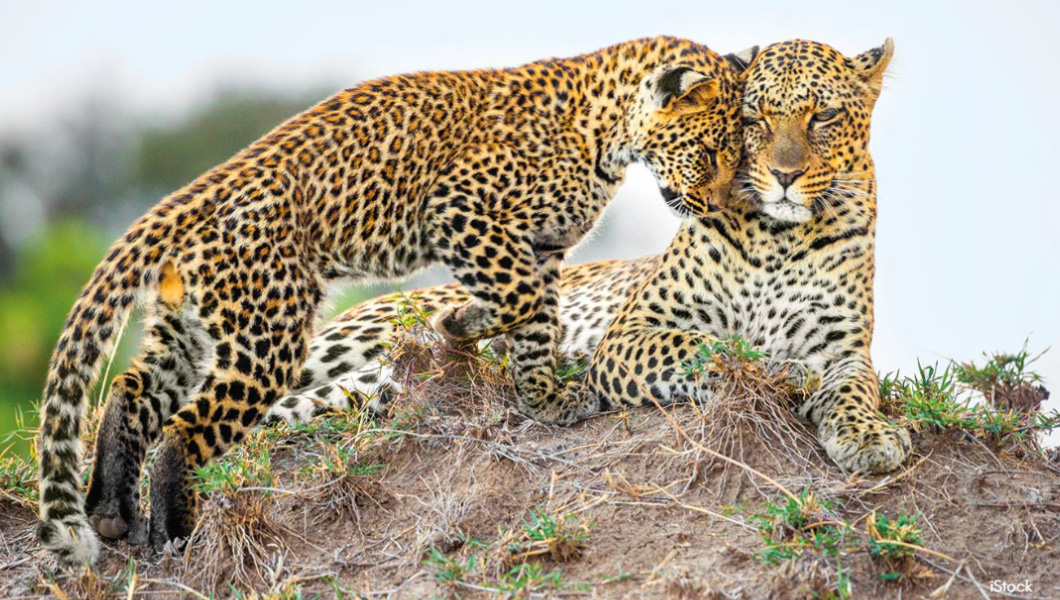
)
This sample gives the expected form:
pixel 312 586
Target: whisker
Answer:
pixel 853 191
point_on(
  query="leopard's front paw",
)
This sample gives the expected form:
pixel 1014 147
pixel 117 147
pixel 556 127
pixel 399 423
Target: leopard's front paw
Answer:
pixel 464 322
pixel 569 404
pixel 876 448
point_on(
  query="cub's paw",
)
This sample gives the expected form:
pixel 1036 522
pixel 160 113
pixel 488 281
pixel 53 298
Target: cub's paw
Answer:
pixel 378 404
pixel 464 322
pixel 115 527
pixel 113 499
pixel 303 408
pixel 879 448
pixel 173 500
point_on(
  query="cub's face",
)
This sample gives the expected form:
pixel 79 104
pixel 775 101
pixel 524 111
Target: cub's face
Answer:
pixel 686 129
pixel 806 112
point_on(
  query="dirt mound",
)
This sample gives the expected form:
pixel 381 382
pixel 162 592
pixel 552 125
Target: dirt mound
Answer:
pixel 457 496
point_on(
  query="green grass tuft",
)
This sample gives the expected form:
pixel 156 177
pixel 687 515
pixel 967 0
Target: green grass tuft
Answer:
pixel 240 469
pixel 1001 368
pixel 730 348
pixel 892 538
pixel 572 369
pixel 18 476
pixel 939 399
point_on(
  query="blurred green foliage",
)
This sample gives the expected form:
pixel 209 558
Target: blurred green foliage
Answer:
pixel 51 269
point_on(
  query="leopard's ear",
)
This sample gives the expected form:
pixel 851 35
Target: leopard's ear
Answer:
pixel 683 90
pixel 871 64
pixel 742 59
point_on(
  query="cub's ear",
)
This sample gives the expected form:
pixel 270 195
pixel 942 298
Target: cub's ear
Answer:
pixel 683 90
pixel 871 64
pixel 742 59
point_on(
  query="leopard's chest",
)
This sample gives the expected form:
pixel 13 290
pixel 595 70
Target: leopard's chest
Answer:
pixel 788 310
pixel 782 293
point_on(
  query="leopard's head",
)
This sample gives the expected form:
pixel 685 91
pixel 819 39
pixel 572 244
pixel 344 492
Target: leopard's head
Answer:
pixel 685 127
pixel 806 113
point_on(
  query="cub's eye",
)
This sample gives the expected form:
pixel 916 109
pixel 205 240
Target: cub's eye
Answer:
pixel 749 121
pixel 710 157
pixel 825 116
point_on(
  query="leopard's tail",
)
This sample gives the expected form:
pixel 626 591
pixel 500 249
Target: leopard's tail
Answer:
pixel 87 338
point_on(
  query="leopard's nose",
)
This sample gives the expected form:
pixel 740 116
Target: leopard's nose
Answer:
pixel 786 178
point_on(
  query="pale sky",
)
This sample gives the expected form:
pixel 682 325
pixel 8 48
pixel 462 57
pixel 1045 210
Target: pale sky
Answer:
pixel 965 134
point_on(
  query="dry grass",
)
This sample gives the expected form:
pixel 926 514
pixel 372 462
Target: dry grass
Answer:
pixel 343 493
pixel 756 412
pixel 238 540
pixel 453 494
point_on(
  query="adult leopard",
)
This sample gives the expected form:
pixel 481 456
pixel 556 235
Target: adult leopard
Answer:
pixel 495 173
pixel 786 262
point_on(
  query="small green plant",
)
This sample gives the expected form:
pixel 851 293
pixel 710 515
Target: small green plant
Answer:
pixel 571 369
pixel 526 579
pixel 1001 368
pixel 729 348
pixel 562 537
pixel 471 542
pixel 542 526
pixel 738 508
pixel 339 591
pixel 1006 381
pixel 929 397
pixel 406 418
pixel 791 526
pixel 337 461
pixel 492 354
pixel 895 538
pixel 411 313
pixel 518 581
pixel 330 428
pixel 452 571
pixel 289 591
pixel 791 514
pixel 18 476
pixel 932 398
pixel 241 469
pixel 841 591
pixel 776 553
pixel 794 527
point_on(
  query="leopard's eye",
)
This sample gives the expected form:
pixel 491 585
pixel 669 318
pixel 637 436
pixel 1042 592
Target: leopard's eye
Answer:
pixel 825 116
pixel 749 121
pixel 710 157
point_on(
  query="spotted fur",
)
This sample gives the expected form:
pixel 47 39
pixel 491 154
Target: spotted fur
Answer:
pixel 790 271
pixel 495 173
pixel 348 361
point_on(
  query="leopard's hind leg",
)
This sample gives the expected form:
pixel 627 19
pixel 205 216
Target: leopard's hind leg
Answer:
pixel 138 404
pixel 258 346
pixel 638 364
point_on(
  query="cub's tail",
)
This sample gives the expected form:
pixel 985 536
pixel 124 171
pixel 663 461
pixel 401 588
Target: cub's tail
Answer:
pixel 88 337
